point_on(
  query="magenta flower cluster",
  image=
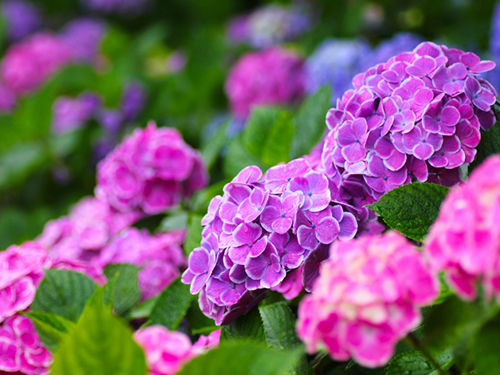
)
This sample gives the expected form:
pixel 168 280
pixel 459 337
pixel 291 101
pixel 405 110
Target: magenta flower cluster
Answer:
pixel 160 257
pixel 167 351
pixel 260 230
pixel 72 113
pixel 463 241
pixel 21 350
pixel 366 299
pixel 417 116
pixel 274 76
pixel 152 170
pixel 29 63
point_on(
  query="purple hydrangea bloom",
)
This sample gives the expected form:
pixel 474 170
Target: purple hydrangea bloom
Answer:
pixel 22 17
pixel 335 62
pixel 416 116
pixel 399 43
pixel 85 36
pixel 73 113
pixel 132 101
pixel 494 75
pixel 261 230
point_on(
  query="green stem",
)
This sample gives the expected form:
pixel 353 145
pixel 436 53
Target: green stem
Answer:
pixel 413 341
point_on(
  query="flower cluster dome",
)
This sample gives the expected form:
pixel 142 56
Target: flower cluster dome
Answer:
pixel 464 240
pixel 274 76
pixel 417 116
pixel 259 231
pixel 152 170
pixel 366 299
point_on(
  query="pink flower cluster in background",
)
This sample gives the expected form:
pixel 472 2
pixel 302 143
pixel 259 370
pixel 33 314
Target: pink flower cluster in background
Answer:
pixel 21 350
pixel 464 240
pixel 29 63
pixel 167 351
pixel 366 298
pixel 260 231
pixel 274 76
pixel 152 170
pixel 72 113
pixel 417 116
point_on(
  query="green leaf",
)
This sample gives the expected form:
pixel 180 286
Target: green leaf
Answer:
pixel 310 122
pixel 174 221
pixel 279 329
pixel 247 326
pixel 485 348
pixel 452 321
pixel 20 161
pixel 144 309
pixel 411 209
pixel 100 344
pixel 172 305
pixel 413 363
pixel 279 325
pixel 489 145
pixel 237 158
pixel 242 358
pixel 63 293
pixel 257 129
pixel 212 146
pixel 125 290
pixel 193 236
pixel 277 145
pixel 51 328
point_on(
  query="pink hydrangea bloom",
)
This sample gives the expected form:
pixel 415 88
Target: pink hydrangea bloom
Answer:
pixel 275 76
pixel 366 299
pixel 21 271
pixel 167 351
pixel 159 256
pixel 152 170
pixel 89 226
pixel 28 64
pixel 21 350
pixel 464 240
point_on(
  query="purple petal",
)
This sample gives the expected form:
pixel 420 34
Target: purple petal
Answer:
pixel 348 226
pixel 256 267
pixel 307 237
pixel 247 233
pixel 327 230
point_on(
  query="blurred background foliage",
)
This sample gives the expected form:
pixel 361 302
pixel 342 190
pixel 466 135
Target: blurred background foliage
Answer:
pixel 42 173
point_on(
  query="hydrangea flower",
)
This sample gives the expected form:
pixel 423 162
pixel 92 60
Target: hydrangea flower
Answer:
pixel 416 116
pixel 31 62
pixel 494 75
pixel 152 170
pixel 167 351
pixel 22 18
pixel 259 233
pixel 21 271
pixel 335 62
pixel 366 298
pixel 159 257
pixel 399 43
pixel 7 99
pixel 274 76
pixel 462 241
pixel 132 101
pixel 85 35
pixel 21 350
pixel 72 113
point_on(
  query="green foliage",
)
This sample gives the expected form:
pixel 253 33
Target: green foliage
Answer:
pixel 124 286
pixel 485 351
pixel 237 158
pixel 100 344
pixel 51 328
pixel 277 145
pixel 451 322
pixel 489 145
pixel 172 305
pixel 193 236
pixel 243 358
pixel 247 326
pixel 310 122
pixel 212 146
pixel 414 363
pixel 411 209
pixel 64 293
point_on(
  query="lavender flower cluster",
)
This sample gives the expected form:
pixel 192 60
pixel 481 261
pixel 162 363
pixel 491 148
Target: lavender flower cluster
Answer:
pixel 260 231
pixel 150 171
pixel 22 18
pixel 418 115
pixel 269 25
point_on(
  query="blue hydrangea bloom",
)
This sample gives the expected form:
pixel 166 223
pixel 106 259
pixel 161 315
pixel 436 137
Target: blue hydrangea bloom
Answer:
pixel 23 18
pixel 402 42
pixel 494 76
